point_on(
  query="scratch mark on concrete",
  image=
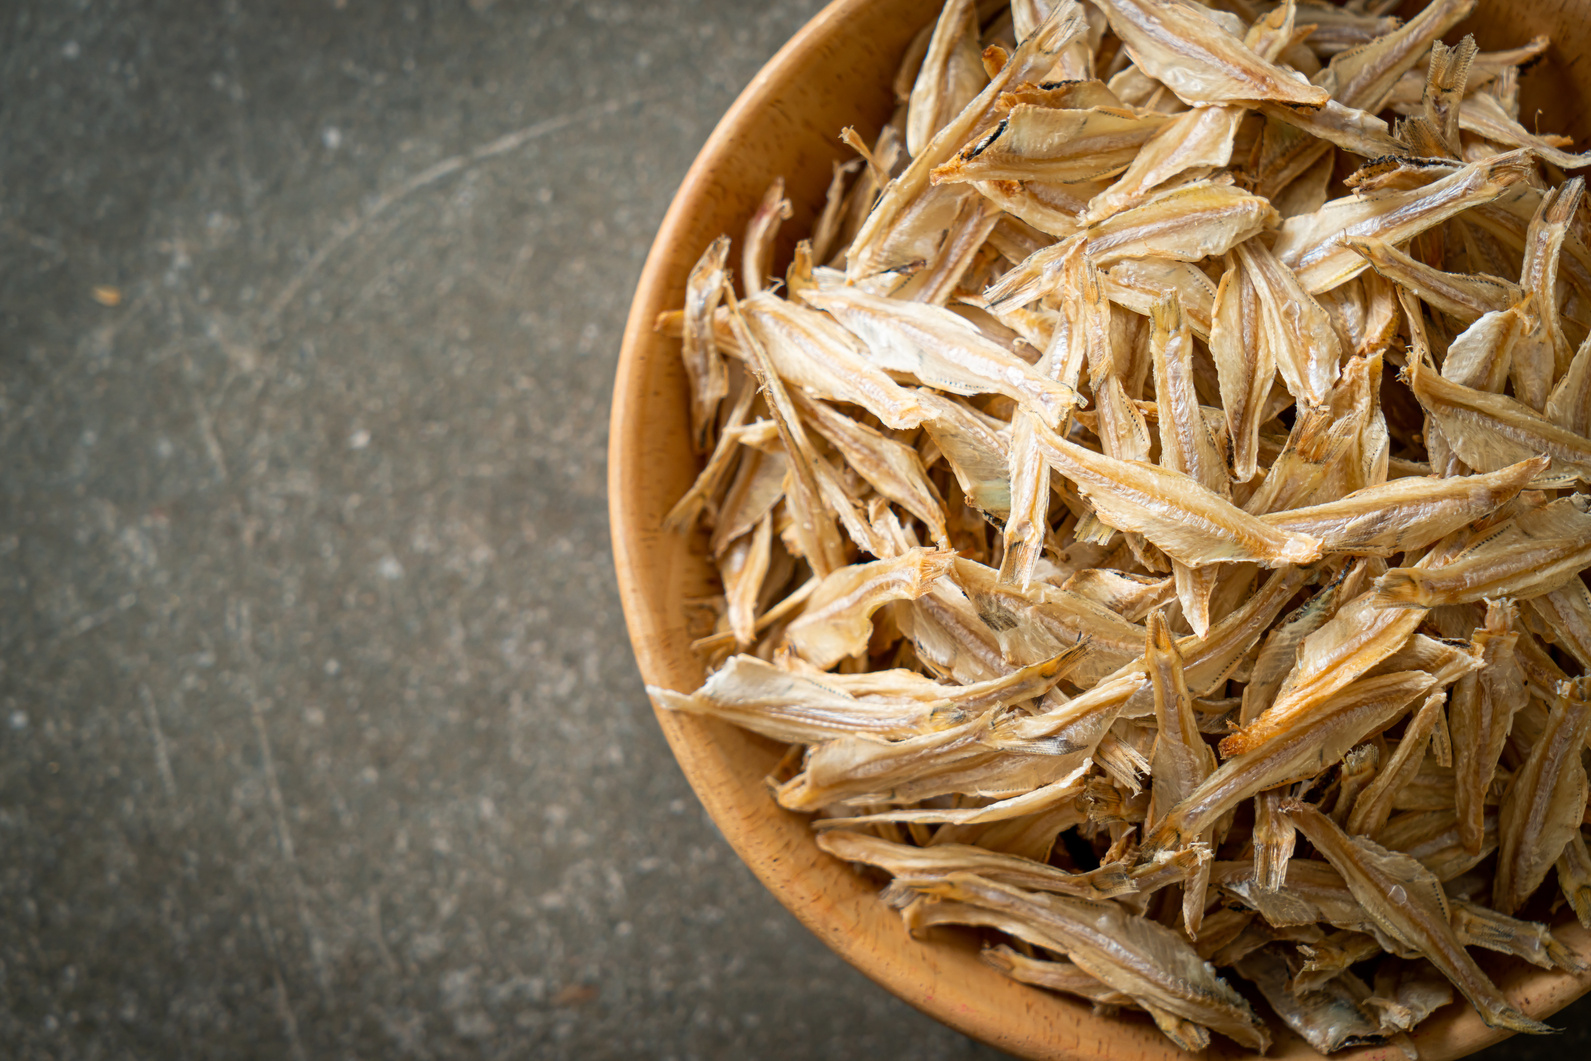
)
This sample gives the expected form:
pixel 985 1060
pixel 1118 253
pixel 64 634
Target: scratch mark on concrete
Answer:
pixel 162 758
pixel 341 234
pixel 284 1004
pixel 273 788
pixel 212 445
pixel 381 936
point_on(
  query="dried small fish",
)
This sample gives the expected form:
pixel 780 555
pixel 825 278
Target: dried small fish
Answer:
pixel 1535 553
pixel 1407 905
pixel 1480 926
pixel 1463 296
pixel 1187 49
pixel 1067 455
pixel 1182 760
pixel 1186 443
pixel 1054 144
pixel 1407 514
pixel 838 619
pixel 1056 976
pixel 703 365
pixel 1328 1017
pixel 1183 223
pixel 1481 715
pixel 941 350
pixel 1193 140
pixel 1491 431
pixel 1313 244
pixel 1545 801
pixel 1245 360
pixel 1193 524
pixel 950 77
pixel 906 862
pixel 1296 753
pixel 1141 959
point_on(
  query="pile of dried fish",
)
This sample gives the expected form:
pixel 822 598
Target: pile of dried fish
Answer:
pixel 1167 443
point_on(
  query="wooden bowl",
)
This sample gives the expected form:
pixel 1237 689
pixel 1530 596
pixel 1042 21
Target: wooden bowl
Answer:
pixel 836 72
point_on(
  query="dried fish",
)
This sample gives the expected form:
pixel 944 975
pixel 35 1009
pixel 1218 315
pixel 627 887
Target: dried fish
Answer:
pixel 838 619
pixel 1407 514
pixel 941 350
pixel 1066 456
pixel 1056 976
pixel 1545 801
pixel 1313 244
pixel 1194 525
pixel 1408 907
pixel 1140 958
pixel 906 862
pixel 950 77
pixel 1463 296
pixel 1328 1017
pixel 1187 49
pixel 703 364
pixel 1534 553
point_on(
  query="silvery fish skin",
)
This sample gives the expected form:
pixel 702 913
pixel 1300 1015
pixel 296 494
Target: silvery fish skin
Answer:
pixel 1408 906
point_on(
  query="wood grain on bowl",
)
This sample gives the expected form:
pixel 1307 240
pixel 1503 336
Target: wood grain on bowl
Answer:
pixel 836 72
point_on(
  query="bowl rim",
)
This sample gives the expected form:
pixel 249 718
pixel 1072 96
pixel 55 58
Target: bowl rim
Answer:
pixel 1458 1036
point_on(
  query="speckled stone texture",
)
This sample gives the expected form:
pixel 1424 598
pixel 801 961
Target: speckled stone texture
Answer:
pixel 319 733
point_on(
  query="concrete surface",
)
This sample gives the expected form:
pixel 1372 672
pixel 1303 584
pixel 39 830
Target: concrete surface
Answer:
pixel 319 736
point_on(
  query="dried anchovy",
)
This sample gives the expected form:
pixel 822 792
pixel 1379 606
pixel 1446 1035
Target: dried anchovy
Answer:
pixel 1095 478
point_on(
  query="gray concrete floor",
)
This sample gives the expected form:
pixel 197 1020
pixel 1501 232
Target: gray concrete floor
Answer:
pixel 319 735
